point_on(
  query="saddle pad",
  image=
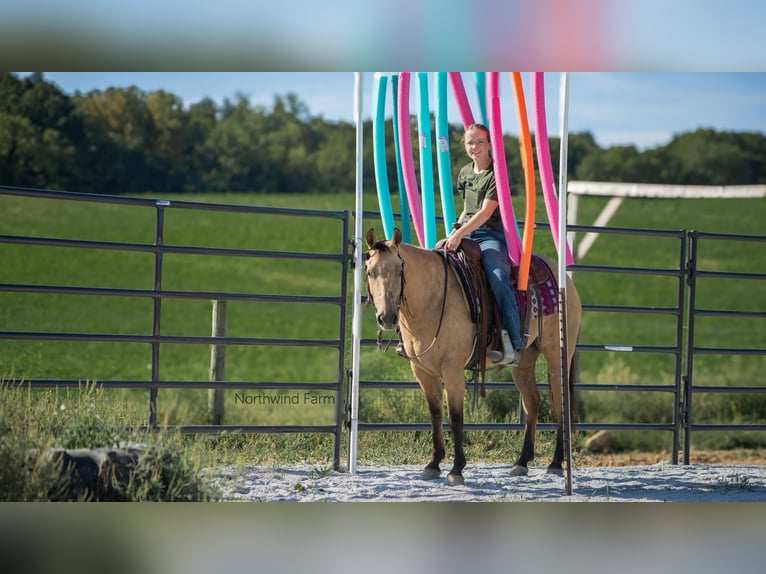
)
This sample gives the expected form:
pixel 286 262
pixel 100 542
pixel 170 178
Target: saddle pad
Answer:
pixel 547 288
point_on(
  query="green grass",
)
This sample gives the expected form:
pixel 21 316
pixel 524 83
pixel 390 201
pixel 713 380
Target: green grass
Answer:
pixel 133 316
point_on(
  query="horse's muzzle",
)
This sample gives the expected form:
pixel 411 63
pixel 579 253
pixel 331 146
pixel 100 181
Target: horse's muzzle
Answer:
pixel 387 321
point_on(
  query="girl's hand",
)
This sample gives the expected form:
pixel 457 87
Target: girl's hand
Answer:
pixel 454 239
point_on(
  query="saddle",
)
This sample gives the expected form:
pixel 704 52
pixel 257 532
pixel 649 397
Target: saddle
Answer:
pixel 466 262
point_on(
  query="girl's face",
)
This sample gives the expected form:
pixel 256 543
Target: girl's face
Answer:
pixel 477 144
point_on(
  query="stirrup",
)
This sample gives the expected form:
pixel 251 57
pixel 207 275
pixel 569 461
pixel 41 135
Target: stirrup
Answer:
pixel 401 351
pixel 508 356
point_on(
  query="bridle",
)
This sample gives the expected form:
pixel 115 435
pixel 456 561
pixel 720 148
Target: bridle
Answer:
pixel 402 301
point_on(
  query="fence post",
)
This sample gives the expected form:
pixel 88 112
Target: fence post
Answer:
pixel 217 364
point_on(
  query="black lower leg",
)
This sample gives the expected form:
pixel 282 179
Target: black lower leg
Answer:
pixel 528 448
pixel 437 455
pixel 558 454
pixel 456 424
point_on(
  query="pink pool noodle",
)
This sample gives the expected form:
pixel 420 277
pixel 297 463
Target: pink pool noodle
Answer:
pixel 544 160
pixel 456 81
pixel 510 227
pixel 405 155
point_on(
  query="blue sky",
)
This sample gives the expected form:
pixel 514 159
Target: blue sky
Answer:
pixel 635 108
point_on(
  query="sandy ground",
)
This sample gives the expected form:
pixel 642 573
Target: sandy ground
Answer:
pixel 644 481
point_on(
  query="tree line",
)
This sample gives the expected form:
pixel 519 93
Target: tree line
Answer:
pixel 127 141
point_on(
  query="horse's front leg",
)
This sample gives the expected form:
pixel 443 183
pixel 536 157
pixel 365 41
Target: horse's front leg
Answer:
pixel 455 386
pixel 432 389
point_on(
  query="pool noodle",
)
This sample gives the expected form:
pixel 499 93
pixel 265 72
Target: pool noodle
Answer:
pixel 481 91
pixel 456 81
pixel 426 161
pixel 404 209
pixel 544 160
pixel 379 154
pixel 513 240
pixel 442 153
pixel 405 152
pixel 527 162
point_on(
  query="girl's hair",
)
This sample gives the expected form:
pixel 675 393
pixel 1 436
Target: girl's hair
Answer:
pixel 481 127
pixel 478 127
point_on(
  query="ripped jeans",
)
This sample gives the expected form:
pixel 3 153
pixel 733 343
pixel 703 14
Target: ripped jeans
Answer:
pixel 497 267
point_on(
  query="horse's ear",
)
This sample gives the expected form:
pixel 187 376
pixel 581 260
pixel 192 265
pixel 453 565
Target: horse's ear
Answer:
pixel 397 236
pixel 370 237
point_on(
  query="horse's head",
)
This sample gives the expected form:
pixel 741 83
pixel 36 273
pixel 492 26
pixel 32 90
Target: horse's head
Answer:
pixel 385 278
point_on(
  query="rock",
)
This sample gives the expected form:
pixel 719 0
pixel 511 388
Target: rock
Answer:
pixel 94 474
pixel 600 442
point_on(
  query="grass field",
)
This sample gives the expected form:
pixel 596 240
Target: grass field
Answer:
pixel 99 361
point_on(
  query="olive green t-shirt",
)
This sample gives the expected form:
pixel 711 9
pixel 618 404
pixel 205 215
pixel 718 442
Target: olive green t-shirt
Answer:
pixel 474 188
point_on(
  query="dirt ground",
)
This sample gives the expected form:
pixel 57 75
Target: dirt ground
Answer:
pixel 735 456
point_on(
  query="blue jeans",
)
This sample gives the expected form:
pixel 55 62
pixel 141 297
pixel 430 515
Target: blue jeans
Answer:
pixel 497 267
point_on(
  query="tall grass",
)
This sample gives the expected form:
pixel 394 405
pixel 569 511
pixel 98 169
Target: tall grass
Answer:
pixel 35 421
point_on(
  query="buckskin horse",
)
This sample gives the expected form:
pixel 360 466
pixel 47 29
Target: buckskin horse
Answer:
pixel 413 290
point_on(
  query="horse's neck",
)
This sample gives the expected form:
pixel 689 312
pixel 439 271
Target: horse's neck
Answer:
pixel 423 276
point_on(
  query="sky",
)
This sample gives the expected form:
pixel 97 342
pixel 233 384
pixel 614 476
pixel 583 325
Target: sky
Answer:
pixel 644 109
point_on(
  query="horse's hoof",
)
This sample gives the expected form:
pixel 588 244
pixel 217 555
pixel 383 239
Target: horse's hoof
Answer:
pixel 430 474
pixel 556 471
pixel 455 479
pixel 519 470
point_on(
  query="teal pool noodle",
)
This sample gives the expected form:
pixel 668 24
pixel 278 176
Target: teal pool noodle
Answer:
pixel 379 154
pixel 442 153
pixel 426 161
pixel 481 90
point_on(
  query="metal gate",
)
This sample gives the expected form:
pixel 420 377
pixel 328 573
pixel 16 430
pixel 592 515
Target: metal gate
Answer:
pixel 679 306
pixel 685 249
pixel 159 294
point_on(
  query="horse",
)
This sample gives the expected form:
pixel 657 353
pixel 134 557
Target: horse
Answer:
pixel 413 291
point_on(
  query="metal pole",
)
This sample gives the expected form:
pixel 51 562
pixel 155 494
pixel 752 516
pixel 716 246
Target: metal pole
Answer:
pixel 159 233
pixel 356 326
pixel 562 240
pixel 215 405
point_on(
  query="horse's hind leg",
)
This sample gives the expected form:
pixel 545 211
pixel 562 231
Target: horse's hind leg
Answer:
pixel 558 454
pixel 554 375
pixel 432 389
pixel 524 379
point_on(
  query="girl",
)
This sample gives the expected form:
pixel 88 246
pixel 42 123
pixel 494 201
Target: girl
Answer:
pixel 480 221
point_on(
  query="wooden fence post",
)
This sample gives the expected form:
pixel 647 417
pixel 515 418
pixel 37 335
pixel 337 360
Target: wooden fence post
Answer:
pixel 217 364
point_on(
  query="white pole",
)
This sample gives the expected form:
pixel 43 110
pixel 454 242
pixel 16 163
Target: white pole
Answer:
pixel 356 328
pixel 566 411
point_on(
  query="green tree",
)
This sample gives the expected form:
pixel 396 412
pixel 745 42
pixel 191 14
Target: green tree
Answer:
pixel 37 128
pixel 619 163
pixel 119 131
pixel 718 158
